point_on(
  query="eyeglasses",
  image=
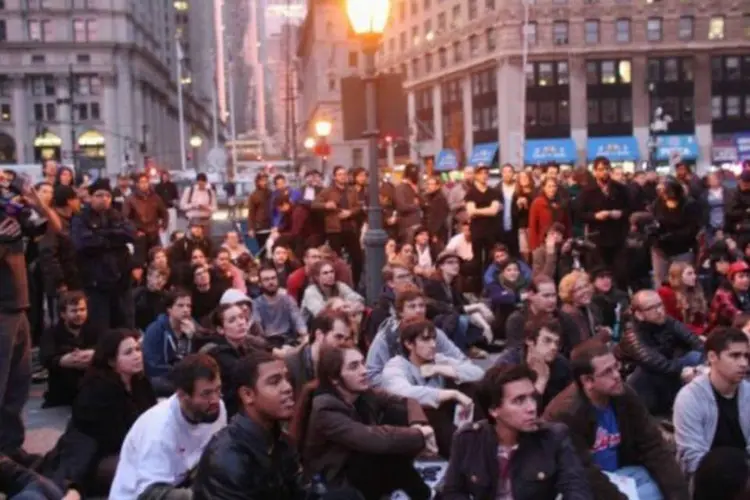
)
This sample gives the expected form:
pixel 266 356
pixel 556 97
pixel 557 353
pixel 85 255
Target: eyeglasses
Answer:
pixel 652 307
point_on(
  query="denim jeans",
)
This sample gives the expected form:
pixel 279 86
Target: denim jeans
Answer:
pixel 656 390
pixel 466 334
pixel 644 483
pixel 36 491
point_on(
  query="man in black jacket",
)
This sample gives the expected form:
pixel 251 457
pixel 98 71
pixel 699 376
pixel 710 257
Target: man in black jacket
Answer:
pixel 612 430
pixel 252 458
pixel 101 237
pixel 605 208
pixel 663 350
pixel 512 454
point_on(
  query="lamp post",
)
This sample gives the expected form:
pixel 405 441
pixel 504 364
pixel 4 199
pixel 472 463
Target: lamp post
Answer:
pixel 368 19
pixel 659 124
pixel 323 130
pixel 196 142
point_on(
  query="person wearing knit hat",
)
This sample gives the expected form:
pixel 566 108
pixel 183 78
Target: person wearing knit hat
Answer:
pixel 63 195
pixel 100 184
pixel 732 298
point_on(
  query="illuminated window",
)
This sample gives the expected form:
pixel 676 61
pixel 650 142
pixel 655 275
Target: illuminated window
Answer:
pixel 546 75
pixel 733 106
pixel 560 32
pixel 181 5
pixel 608 72
pixel 716 28
pixel 624 71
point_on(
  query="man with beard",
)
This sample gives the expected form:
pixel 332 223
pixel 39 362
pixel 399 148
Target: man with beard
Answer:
pixel 436 211
pixel 146 210
pixel 612 430
pixel 259 210
pixel 276 312
pixel 166 443
pixel 252 457
pixel 713 411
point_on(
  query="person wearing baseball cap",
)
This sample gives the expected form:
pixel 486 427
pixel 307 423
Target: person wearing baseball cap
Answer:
pixel 733 297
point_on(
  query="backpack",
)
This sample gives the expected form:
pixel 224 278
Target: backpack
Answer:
pixel 210 195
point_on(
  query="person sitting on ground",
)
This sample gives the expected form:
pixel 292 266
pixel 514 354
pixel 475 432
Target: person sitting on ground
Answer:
pixel 723 470
pixel 277 313
pixel 576 294
pixel 149 298
pixel 610 301
pixel 66 350
pixel 506 294
pixel 252 457
pixel 501 457
pixel 541 353
pixel 411 303
pixel 166 442
pixel 328 329
pixel 355 437
pixel 169 339
pixel 732 298
pixel 465 323
pixel 299 280
pixel 683 297
pixel 501 254
pixel 113 394
pixel 229 276
pixel 554 258
pixel 665 353
pixel 323 286
pixel 437 382
pixel 713 410
pixel 394 274
pixel 206 291
pixel 235 247
pixel 612 430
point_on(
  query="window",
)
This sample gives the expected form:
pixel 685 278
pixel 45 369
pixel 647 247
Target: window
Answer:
pixel 686 68
pixel 687 108
pixel 563 113
pixel 428 62
pixel 5 113
pixel 530 76
pixel 353 59
pixel 592 112
pixel 38 59
pixel 732 68
pixel 3 31
pixel 547 113
pixel 489 4
pixel 414 7
pixel 415 35
pixel 473 9
pixel 608 72
pixel 402 10
pixel 716 30
pixel 95 113
pixel 473 45
pixel 716 113
pixel 733 106
pixel 83 58
pixel 563 75
pixel 531 113
pixel 442 57
pixel 546 75
pixel 622 30
pixel 34 30
pixel 456 13
pixel 491 40
pixel 415 68
pixel 746 29
pixel 747 105
pixel 653 29
pixel 531 33
pixel 626 111
pixel 82 112
pixel 592 73
pixel 560 33
pixel 671 70
pixel 402 41
pixel 685 30
pixel 624 72
pixel 42 85
pixel 609 111
pixel 5 87
pixel 331 84
pixel 441 21
pixel 428 30
pixel 358 157
pixel 51 110
pixel 457 54
pixel 38 112
pixel 591 31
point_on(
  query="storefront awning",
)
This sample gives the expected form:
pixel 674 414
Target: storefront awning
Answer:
pixel 615 148
pixel 743 146
pixel 483 154
pixel 671 147
pixel 724 150
pixel 446 160
pixel 550 150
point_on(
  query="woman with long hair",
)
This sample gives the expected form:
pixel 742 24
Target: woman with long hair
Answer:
pixel 323 287
pixel 683 297
pixel 522 199
pixel 546 209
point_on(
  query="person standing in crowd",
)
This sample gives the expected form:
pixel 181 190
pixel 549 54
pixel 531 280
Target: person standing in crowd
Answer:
pixel 547 210
pixel 408 203
pixel 252 457
pixel 340 207
pixel 713 411
pixel 522 199
pixel 508 230
pixel 259 210
pixel 49 171
pixel 15 335
pixel 612 431
pixel 121 192
pixel 167 191
pixel 281 190
pixel 457 194
pixel 437 212
pixel 737 208
pixel 508 449
pixel 482 206
pixel 690 183
pixel 199 202
pixel 230 189
pixel 101 237
pixel 714 201
pixel 166 442
pixel 147 212
pixel 605 207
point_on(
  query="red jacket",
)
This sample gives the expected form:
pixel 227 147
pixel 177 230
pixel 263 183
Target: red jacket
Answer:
pixel 696 324
pixel 542 215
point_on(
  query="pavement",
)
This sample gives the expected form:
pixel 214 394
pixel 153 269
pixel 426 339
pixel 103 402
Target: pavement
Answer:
pixel 43 425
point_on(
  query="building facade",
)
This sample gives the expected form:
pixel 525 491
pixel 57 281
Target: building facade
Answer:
pixel 598 73
pixel 93 81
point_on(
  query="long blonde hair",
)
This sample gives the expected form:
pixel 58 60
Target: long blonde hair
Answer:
pixel 691 300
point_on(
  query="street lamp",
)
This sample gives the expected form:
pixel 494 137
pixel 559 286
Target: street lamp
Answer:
pixel 196 142
pixel 309 143
pixel 368 19
pixel 659 125
pixel 323 130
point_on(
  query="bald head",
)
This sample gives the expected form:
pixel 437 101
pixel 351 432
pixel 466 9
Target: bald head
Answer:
pixel 648 307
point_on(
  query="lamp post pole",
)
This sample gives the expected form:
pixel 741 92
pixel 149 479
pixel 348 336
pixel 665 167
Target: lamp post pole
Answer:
pixel 375 237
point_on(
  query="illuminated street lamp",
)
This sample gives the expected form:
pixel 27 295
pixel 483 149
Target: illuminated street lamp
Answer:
pixel 309 143
pixel 196 141
pixel 322 149
pixel 368 19
pixel 323 128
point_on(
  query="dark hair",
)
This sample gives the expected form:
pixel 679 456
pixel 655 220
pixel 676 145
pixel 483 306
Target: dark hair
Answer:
pixel 201 177
pixel 337 168
pixel 408 331
pixel 217 315
pixel 224 250
pixel 107 347
pixel 549 165
pixel 601 159
pixel 317 267
pixel 192 368
pixel 557 227
pixel 277 178
pixel 174 295
pixel 582 357
pixel 324 322
pixel 268 267
pixel 72 298
pixel 539 279
pixel 499 247
pixel 406 293
pixel 142 175
pixel 719 339
pixel 248 367
pixel 723 470
pixel 330 364
pixel 490 390
pixel 281 200
pixel 535 324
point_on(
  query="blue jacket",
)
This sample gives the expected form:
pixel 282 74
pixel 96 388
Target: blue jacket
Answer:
pixel 490 275
pixel 294 197
pixel 100 241
pixel 160 347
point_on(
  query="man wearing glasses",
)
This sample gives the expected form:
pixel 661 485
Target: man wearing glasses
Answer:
pixel 665 352
pixel 612 431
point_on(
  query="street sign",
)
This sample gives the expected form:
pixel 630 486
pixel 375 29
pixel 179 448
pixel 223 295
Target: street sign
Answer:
pixel 217 159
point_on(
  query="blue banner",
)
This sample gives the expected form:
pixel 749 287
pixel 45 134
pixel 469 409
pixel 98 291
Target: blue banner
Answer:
pixel 550 150
pixel 672 147
pixel 743 146
pixel 615 149
pixel 447 159
pixel 483 154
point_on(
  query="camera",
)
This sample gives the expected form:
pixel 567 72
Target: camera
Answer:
pixel 582 245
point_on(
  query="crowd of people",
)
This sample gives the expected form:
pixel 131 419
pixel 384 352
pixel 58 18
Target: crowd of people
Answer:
pixel 614 309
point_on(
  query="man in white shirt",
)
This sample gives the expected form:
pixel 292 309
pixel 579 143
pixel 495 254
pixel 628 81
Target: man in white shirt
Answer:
pixel 165 443
pixel 199 202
